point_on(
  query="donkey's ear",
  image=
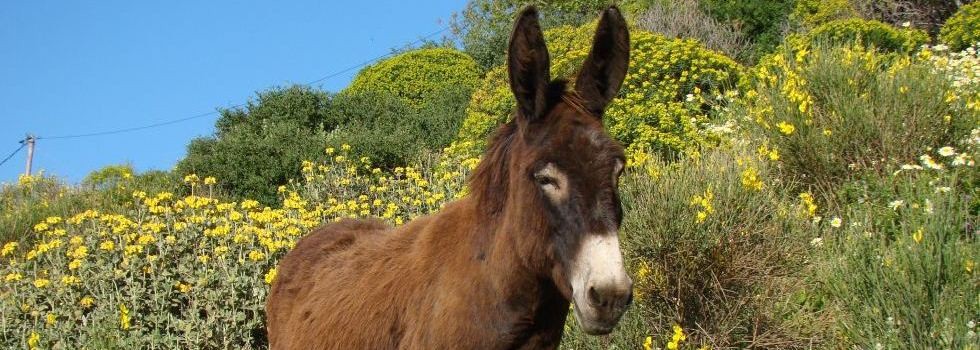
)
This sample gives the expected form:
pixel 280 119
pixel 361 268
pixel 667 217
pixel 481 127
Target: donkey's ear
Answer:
pixel 528 65
pixel 603 71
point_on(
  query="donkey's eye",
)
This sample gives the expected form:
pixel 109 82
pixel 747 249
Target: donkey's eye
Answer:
pixel 544 180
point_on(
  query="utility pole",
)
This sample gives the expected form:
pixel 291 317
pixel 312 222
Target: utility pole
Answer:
pixel 29 141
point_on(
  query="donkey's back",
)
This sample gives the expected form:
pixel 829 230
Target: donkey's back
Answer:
pixel 302 268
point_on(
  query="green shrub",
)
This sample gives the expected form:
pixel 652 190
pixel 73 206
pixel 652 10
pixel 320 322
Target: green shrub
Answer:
pixel 963 28
pixel 33 198
pixel 716 246
pixel 190 272
pixel 812 13
pixel 261 146
pixel 762 21
pixel 484 26
pixel 685 19
pixel 668 97
pixel 900 269
pixel 381 127
pixel 418 75
pixel 868 33
pixel 830 112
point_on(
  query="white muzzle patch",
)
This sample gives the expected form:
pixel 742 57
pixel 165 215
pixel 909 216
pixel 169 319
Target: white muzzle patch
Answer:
pixel 597 276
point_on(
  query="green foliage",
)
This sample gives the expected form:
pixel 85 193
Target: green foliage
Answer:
pixel 901 268
pixel 381 127
pixel 812 13
pixel 712 244
pixel 259 147
pixel 484 26
pixel 417 76
pixel 963 28
pixel 762 21
pixel 833 111
pixel 668 98
pixel 34 198
pixel 864 32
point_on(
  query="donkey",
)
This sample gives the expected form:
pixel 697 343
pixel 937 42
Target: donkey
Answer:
pixel 498 268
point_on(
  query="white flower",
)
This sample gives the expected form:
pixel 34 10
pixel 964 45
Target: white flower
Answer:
pixel 947 151
pixel 943 189
pixel 928 162
pixel 816 219
pixel 906 24
pixel 836 222
pixel 940 47
pixel 895 204
pixel 911 167
pixel 928 206
pixel 689 98
pixel 960 159
pixel 816 242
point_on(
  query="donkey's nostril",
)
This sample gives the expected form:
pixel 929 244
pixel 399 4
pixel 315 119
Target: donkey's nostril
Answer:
pixel 594 297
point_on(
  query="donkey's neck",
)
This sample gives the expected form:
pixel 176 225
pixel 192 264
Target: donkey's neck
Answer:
pixel 529 307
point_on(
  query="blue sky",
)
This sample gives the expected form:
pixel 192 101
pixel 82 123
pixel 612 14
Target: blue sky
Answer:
pixel 74 67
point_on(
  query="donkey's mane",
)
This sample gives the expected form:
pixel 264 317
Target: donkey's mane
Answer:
pixel 488 182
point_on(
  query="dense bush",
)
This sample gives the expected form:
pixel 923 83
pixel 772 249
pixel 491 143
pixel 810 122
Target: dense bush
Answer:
pixel 831 111
pixel 669 96
pixel 763 22
pixel 867 33
pixel 715 246
pixel 484 26
pixel 811 13
pixel 33 198
pixel 261 146
pixel 900 263
pixel 389 132
pixel 685 19
pixel 188 272
pixel 962 29
pixel 417 76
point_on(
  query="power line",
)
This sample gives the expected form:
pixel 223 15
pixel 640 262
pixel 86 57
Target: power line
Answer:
pixel 175 121
pixel 22 144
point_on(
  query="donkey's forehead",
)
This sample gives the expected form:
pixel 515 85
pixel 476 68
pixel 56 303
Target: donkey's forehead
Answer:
pixel 573 130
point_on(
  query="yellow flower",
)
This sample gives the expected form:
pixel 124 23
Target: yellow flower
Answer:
pixel 75 264
pixel 33 340
pixel 183 287
pixel 87 301
pixel 270 276
pixel 255 255
pixel 123 317
pixel 210 180
pixel 786 128
pixel 12 277
pixel 969 265
pixel 51 319
pixel 917 235
pixel 191 179
pixel 41 283
pixel 648 343
pixel 751 180
pixel 8 248
pixel 70 280
pixel 107 245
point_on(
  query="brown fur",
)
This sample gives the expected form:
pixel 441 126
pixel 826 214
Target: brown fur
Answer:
pixel 486 272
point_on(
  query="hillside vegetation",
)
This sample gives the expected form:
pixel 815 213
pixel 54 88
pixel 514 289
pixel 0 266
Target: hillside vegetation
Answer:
pixel 820 190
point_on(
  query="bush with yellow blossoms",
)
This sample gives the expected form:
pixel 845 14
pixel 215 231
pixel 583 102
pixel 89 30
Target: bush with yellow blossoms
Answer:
pixel 171 272
pixel 962 30
pixel 832 111
pixel 668 101
pixel 712 253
